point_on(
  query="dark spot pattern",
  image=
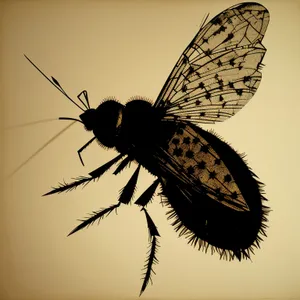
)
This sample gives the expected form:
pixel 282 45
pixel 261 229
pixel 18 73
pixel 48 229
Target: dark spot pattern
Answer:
pixel 202 164
pixel 189 154
pixel 220 70
pixel 227 178
pixel 178 152
pixel 198 159
pixel 175 141
pixel 187 140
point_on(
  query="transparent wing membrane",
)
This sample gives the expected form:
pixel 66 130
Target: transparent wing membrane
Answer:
pixel 219 71
pixel 192 159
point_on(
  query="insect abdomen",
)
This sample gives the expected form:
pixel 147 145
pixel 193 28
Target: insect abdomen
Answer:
pixel 214 196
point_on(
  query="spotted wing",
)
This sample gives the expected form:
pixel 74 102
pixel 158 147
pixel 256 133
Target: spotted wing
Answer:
pixel 219 71
pixel 192 159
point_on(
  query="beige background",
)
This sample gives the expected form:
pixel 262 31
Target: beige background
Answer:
pixel 128 48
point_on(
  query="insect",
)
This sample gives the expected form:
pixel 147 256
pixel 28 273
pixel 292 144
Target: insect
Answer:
pixel 213 197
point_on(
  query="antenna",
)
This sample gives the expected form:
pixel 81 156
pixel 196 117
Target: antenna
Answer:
pixel 55 83
pixel 40 149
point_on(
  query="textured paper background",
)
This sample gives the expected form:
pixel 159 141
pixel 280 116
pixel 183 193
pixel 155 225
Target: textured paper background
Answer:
pixel 123 49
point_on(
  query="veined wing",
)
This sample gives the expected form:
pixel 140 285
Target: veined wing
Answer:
pixel 199 163
pixel 219 71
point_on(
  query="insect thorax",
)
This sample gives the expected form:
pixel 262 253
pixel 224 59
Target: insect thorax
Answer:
pixel 140 126
pixel 135 125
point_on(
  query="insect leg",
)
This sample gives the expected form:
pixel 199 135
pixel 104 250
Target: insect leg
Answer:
pixel 83 147
pixel 64 187
pixel 122 165
pixel 98 215
pixel 151 259
pixel 128 190
pixel 144 199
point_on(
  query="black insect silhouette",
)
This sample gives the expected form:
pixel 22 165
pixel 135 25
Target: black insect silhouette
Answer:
pixel 214 199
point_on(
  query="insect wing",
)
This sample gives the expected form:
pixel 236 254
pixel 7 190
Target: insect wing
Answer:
pixel 219 71
pixel 198 167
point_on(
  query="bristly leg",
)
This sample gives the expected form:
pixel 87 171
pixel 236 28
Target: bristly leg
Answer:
pixel 98 215
pixel 123 165
pixel 82 180
pixel 129 189
pixel 146 197
pixel 101 170
pixel 151 259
